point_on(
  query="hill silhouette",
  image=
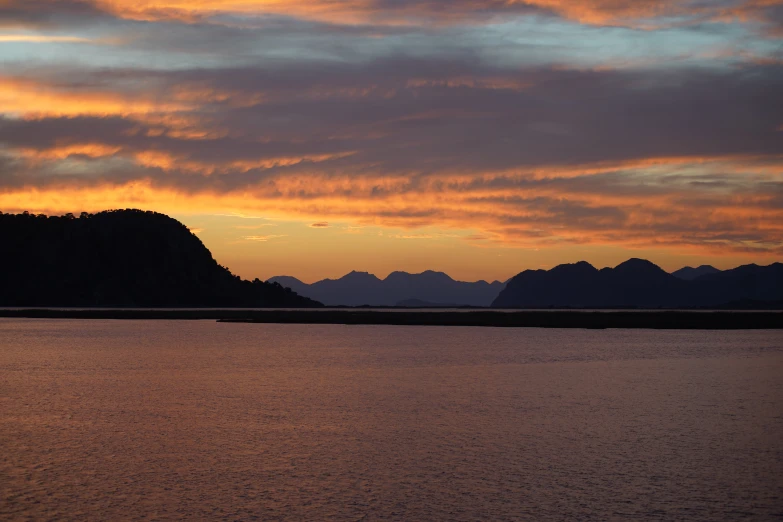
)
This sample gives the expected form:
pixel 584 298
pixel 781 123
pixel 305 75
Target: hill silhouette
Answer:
pixel 120 258
pixel 364 289
pixel 638 283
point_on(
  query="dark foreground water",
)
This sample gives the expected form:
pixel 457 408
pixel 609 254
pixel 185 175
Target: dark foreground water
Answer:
pixel 132 419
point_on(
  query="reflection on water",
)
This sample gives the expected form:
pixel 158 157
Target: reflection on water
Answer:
pixel 161 419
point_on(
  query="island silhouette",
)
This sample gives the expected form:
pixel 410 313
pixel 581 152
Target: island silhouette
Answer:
pixel 120 258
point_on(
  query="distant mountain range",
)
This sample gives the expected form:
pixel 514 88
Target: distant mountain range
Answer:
pixel 121 258
pixel 638 283
pixel 362 288
pixel 689 274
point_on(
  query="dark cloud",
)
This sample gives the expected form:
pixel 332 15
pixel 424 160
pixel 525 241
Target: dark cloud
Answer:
pixel 372 121
pixel 50 13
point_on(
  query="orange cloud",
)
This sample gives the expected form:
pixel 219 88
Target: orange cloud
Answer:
pixel 263 239
pixel 41 38
pixel 31 99
pixel 344 12
pixel 167 105
pixel 166 161
pixel 599 12
pixel 413 236
pixel 90 150
pixel 735 213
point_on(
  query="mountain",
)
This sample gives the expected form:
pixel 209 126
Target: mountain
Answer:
pixel 362 288
pixel 289 282
pixel 638 283
pixel 744 283
pixel 120 258
pixel 689 274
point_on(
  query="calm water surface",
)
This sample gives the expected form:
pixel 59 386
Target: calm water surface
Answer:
pixel 156 419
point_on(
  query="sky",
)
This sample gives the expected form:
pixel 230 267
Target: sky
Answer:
pixel 477 137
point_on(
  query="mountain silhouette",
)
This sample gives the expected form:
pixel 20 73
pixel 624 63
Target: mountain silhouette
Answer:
pixel 638 283
pixel 744 283
pixel 689 274
pixel 120 258
pixel 364 289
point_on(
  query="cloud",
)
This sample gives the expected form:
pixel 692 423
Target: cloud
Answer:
pixel 387 12
pixel 399 12
pixel 30 98
pixel 241 216
pixel 50 13
pixel 41 38
pixel 412 236
pixel 522 124
pixel 716 206
pixel 263 238
pixel 254 227
pixel 320 224
pixel 599 115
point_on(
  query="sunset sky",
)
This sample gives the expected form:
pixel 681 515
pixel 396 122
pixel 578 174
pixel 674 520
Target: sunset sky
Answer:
pixel 476 137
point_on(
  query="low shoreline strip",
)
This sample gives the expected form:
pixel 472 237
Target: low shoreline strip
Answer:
pixel 591 319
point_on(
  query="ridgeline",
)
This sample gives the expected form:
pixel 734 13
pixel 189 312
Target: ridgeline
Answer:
pixel 638 283
pixel 120 258
pixel 364 289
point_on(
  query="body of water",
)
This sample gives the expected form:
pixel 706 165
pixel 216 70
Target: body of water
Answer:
pixel 201 420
